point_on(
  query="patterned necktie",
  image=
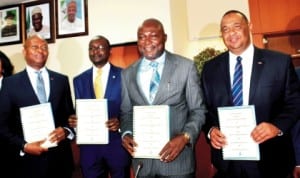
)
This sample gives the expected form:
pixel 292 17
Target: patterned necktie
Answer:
pixel 98 89
pixel 40 87
pixel 237 87
pixel 155 79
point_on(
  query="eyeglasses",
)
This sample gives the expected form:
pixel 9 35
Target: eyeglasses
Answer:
pixel 94 48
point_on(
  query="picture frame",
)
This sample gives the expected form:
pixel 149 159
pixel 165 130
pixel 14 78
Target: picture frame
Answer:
pixel 38 17
pixel 10 25
pixel 72 22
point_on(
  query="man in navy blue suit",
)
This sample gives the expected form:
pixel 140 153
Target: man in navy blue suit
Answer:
pixel 32 159
pixel 106 159
pixel 270 84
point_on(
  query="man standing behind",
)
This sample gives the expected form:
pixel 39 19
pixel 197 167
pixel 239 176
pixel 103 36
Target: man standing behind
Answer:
pixel 269 83
pixel 32 159
pixel 109 159
pixel 37 23
pixel 179 87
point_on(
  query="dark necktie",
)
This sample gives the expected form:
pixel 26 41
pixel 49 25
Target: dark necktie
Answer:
pixel 40 87
pixel 237 87
pixel 154 83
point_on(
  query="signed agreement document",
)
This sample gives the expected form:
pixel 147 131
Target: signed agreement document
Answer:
pixel 150 130
pixel 37 123
pixel 236 123
pixel 91 117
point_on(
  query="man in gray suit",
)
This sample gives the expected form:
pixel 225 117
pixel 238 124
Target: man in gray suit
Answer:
pixel 178 88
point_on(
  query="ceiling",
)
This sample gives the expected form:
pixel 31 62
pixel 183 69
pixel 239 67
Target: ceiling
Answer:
pixel 11 2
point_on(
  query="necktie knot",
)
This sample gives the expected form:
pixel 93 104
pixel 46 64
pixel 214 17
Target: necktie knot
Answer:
pixel 239 59
pixel 154 64
pixel 99 72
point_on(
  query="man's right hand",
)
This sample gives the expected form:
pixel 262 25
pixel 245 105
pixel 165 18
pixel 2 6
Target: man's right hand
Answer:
pixel 217 138
pixel 35 148
pixel 129 144
pixel 72 121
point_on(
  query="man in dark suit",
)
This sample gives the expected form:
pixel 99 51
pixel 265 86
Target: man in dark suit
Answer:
pixel 270 84
pixel 101 160
pixel 178 88
pixel 296 140
pixel 32 159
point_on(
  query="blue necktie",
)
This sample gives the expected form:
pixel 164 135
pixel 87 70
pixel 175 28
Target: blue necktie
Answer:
pixel 40 86
pixel 154 83
pixel 237 86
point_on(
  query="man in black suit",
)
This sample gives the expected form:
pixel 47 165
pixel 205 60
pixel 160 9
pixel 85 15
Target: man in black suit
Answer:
pixel 32 159
pixel 269 84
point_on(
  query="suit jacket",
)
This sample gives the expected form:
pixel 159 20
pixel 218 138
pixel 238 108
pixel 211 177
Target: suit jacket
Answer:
pixel 84 89
pixel 180 89
pixel 296 141
pixel 18 92
pixel 273 92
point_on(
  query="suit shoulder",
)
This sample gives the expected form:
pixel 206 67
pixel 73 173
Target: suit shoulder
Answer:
pixel 83 74
pixel 273 53
pixel 178 57
pixel 115 69
pixel 57 76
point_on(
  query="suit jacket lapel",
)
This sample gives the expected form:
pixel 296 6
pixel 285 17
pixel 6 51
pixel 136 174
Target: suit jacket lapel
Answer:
pixel 28 86
pixel 224 68
pixel 258 65
pixel 110 82
pixel 168 71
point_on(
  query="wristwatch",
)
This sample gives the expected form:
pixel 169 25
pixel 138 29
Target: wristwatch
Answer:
pixel 186 136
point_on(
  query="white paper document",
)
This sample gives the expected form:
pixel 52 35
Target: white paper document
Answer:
pixel 237 123
pixel 38 123
pixel 91 117
pixel 150 130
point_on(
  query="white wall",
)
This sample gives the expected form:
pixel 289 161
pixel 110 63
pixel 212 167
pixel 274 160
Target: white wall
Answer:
pixel 119 19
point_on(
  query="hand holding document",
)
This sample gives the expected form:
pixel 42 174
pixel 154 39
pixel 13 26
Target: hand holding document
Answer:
pixel 150 130
pixel 92 116
pixel 37 123
pixel 236 123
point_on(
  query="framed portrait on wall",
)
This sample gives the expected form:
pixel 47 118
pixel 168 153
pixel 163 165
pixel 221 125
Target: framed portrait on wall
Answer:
pixel 39 19
pixel 72 18
pixel 10 25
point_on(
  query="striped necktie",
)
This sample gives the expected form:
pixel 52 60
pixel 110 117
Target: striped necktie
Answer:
pixel 237 86
pixel 154 83
pixel 40 87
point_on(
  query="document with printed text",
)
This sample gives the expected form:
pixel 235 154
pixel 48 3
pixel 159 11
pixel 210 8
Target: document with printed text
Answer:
pixel 237 123
pixel 150 130
pixel 38 123
pixel 91 117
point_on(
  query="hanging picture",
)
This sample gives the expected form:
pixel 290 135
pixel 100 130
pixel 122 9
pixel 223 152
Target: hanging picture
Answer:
pixel 10 25
pixel 39 19
pixel 72 18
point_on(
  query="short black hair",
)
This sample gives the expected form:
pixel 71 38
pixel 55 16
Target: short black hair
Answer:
pixel 238 12
pixel 7 67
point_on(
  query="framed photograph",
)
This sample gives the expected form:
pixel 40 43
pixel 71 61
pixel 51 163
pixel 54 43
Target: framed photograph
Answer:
pixel 72 18
pixel 39 19
pixel 10 25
